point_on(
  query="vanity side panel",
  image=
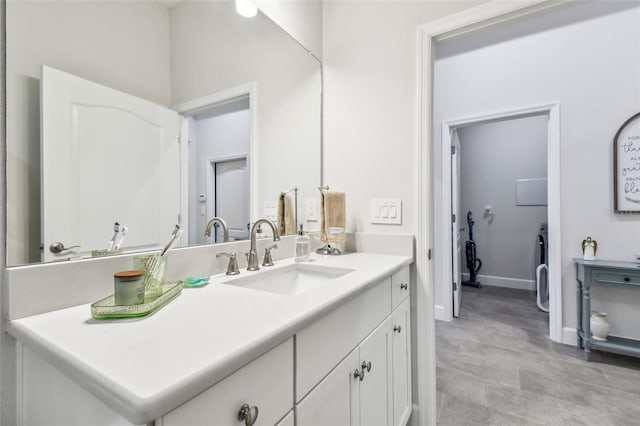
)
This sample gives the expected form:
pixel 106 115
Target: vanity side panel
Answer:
pixel 323 344
pixel 48 397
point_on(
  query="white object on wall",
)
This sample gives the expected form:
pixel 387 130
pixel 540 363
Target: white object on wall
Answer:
pixel 271 210
pixel 531 192
pixel 311 210
pixel 386 211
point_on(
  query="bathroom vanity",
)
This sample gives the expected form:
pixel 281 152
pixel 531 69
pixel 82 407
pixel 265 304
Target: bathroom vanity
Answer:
pixel 609 274
pixel 237 351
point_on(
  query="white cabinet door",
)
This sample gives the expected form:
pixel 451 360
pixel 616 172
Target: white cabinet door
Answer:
pixel 335 400
pixel 400 286
pixel 401 344
pixel 321 345
pixel 376 399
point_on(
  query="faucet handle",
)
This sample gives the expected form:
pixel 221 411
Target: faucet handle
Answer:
pixel 232 267
pixel 268 261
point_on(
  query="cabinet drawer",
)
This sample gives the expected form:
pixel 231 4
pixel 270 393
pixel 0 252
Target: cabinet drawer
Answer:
pixel 323 344
pixel 266 383
pixel 400 286
pixel 608 276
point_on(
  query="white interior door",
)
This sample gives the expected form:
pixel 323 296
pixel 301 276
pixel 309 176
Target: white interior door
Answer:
pixel 456 225
pixel 232 197
pixel 107 157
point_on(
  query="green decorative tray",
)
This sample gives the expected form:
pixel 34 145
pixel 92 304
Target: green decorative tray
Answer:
pixel 106 308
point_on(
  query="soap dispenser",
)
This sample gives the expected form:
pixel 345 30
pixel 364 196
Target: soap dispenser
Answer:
pixel 302 246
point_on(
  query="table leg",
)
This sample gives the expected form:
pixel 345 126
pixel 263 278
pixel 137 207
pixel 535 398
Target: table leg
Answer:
pixel 579 319
pixel 586 320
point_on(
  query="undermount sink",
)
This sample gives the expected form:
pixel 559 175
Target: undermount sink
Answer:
pixel 291 279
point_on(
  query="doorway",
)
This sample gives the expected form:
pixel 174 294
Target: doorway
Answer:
pixel 218 177
pixel 443 271
pixel 227 188
pixel 499 205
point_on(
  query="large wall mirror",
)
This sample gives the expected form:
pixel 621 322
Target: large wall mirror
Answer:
pixel 150 113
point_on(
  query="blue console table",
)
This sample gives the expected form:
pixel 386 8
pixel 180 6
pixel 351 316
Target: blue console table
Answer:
pixel 608 274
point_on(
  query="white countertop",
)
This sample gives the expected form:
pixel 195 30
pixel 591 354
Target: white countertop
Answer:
pixel 144 368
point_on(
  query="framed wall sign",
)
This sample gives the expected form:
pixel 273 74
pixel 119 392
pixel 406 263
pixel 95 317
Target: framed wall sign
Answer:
pixel 626 166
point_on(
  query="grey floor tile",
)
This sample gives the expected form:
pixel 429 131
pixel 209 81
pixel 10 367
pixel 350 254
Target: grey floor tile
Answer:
pixel 464 386
pixel 459 412
pixel 440 400
pixel 479 368
pixel 497 366
pixel 623 381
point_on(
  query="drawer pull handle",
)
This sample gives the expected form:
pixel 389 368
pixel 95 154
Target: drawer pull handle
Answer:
pixel 627 279
pixel 366 366
pixel 248 413
pixel 403 286
pixel 358 374
pixel 397 328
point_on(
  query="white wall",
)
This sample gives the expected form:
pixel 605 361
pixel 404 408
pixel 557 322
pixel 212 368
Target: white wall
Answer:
pixel 493 156
pixel 585 56
pixel 300 18
pixel 370 121
pixel 121 45
pixel 287 133
pixel 370 98
pixel 7 343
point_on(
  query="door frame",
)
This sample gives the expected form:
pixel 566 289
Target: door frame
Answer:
pixel 464 22
pixel 455 230
pixel 443 275
pixel 211 174
pixel 190 108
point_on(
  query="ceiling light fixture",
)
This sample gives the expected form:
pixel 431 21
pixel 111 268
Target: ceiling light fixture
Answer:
pixel 246 8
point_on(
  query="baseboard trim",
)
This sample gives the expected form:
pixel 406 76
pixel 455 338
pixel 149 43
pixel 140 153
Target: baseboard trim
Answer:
pixel 569 336
pixel 515 283
pixel 439 313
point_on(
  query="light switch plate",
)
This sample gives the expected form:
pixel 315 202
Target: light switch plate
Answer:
pixel 311 210
pixel 386 211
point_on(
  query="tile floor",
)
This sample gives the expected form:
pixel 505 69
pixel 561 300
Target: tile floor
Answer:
pixel 496 366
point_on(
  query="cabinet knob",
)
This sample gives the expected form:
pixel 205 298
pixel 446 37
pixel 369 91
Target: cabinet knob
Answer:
pixel 366 366
pixel 248 413
pixel 404 286
pixel 358 374
pixel 397 328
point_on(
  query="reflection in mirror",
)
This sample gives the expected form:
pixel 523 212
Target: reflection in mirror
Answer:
pixel 247 101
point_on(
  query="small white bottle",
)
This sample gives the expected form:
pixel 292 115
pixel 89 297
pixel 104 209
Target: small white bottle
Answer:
pixel 302 246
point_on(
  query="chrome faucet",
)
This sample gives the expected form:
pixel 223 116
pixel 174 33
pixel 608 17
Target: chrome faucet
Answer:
pixel 252 256
pixel 225 228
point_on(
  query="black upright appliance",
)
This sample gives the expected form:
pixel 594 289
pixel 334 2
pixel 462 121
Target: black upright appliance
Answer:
pixel 473 263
